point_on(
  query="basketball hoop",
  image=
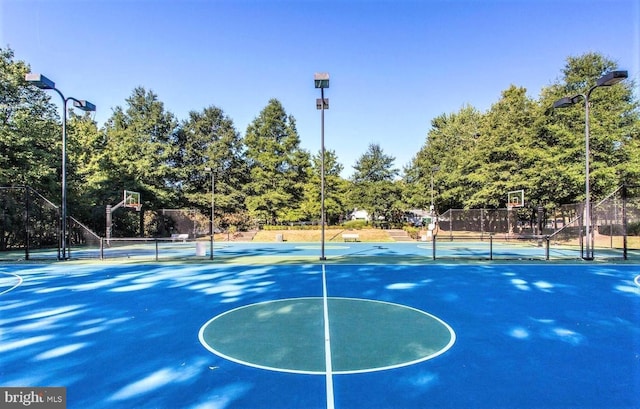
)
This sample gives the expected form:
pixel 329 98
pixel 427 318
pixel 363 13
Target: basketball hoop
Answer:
pixel 132 200
pixel 515 199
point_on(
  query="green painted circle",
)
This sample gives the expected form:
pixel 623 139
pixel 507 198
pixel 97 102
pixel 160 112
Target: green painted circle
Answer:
pixel 288 335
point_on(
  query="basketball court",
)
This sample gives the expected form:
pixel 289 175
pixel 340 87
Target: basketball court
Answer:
pixel 324 335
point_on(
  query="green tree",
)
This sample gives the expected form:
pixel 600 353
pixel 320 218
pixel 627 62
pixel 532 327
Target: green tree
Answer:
pixel 30 132
pixel 208 139
pixel 278 166
pixel 335 190
pixel 614 119
pixel 85 176
pixel 446 155
pixel 373 185
pixel 140 144
pixel 505 150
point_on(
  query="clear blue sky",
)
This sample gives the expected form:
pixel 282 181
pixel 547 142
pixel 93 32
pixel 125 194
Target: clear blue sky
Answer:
pixel 394 65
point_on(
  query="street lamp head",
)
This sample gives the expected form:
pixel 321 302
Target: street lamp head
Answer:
pixel 208 169
pixel 611 78
pixel 40 81
pixel 84 105
pixel 321 79
pixel 564 102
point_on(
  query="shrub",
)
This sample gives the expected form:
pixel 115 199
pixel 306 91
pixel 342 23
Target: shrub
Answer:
pixel 413 232
pixel 355 224
pixel 633 229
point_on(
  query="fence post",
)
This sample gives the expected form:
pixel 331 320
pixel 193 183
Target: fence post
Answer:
pixel 450 224
pixel 624 221
pixel 101 248
pixel 26 223
pixel 546 251
pixel 433 246
pixel 491 246
pixel 156 240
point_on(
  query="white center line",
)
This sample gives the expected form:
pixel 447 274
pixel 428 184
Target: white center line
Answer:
pixel 327 343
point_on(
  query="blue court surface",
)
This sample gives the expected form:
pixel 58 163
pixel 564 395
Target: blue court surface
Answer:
pixel 314 335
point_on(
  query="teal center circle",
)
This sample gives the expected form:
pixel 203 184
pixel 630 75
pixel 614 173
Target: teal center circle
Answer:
pixel 288 335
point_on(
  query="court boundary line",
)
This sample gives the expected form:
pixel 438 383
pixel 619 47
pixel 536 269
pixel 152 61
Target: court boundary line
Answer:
pixel 20 281
pixel 637 280
pixel 327 343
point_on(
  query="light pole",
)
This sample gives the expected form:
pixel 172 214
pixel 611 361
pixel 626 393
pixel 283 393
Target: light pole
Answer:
pixel 606 80
pixel 211 224
pixel 43 82
pixel 321 80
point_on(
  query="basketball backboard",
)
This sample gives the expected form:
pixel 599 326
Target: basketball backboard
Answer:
pixel 515 198
pixel 132 199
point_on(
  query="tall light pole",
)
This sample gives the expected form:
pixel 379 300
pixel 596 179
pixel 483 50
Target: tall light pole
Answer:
pixel 43 82
pixel 211 224
pixel 606 80
pixel 321 80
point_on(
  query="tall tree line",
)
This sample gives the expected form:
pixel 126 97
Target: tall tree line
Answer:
pixel 473 158
pixel 476 158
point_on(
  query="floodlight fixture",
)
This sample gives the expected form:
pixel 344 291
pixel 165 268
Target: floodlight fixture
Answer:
pixel 84 105
pixel 321 79
pixel 611 78
pixel 563 102
pixel 40 81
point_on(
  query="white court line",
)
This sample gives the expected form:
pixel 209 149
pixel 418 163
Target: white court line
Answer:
pixel 15 286
pixel 327 343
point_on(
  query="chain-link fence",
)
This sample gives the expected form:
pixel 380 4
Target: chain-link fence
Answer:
pixel 615 225
pixel 30 228
pixel 28 221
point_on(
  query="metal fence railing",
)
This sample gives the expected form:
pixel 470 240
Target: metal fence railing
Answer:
pixel 30 229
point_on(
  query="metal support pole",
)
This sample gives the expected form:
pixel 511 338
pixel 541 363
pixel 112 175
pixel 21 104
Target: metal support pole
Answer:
pixel 109 223
pixel 433 247
pixel 212 214
pixel 546 252
pixel 64 178
pixel 322 216
pixel 491 247
pixel 587 206
pixel 624 222
pixel 26 223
